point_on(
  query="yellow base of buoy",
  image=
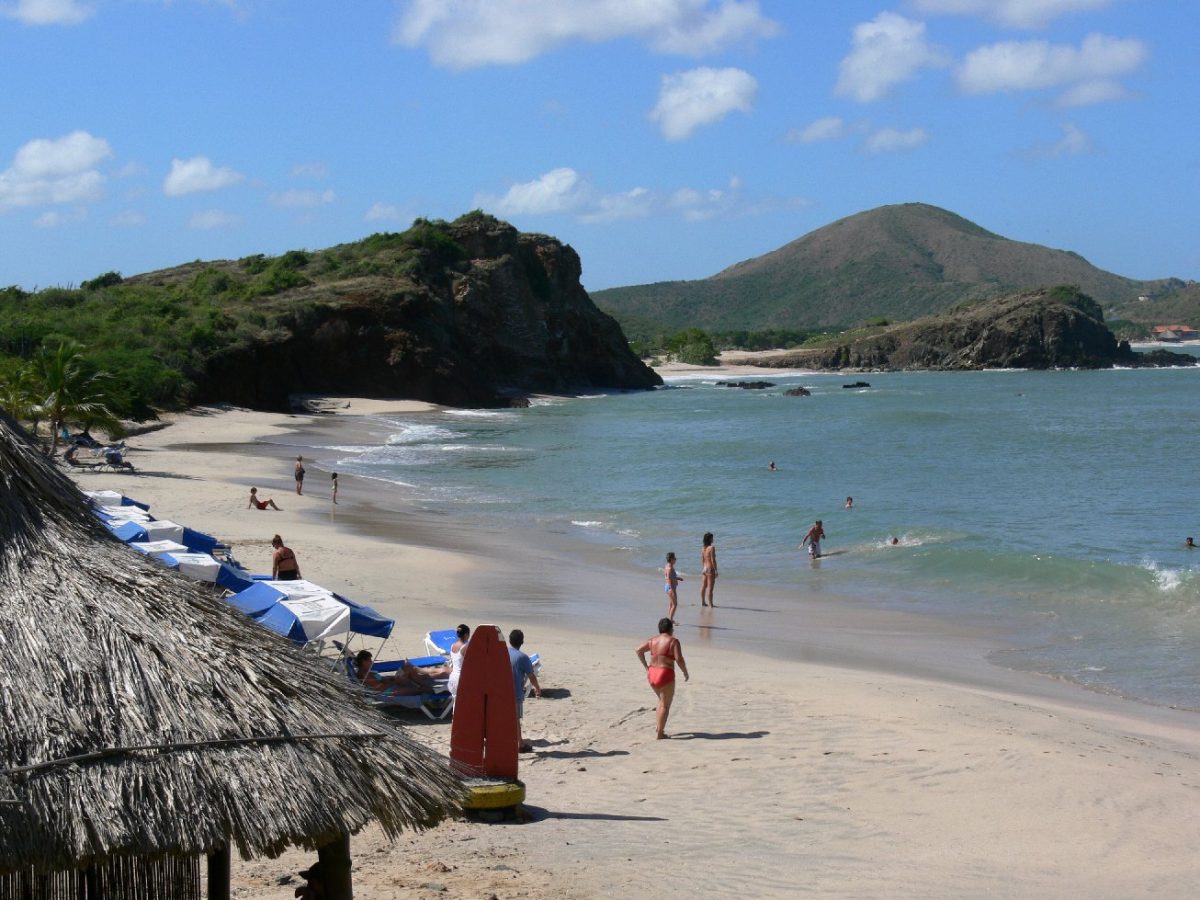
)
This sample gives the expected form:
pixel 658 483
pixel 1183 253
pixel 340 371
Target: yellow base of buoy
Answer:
pixel 494 794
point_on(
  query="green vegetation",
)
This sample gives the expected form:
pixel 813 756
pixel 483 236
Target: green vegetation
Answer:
pixel 60 388
pixel 699 348
pixel 156 334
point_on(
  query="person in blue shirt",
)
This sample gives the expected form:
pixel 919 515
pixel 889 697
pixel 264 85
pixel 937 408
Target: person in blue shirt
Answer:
pixel 522 668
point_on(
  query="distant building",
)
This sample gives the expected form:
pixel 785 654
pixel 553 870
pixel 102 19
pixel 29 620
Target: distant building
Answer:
pixel 1175 333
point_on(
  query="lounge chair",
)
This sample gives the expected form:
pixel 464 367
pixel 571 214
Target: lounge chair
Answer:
pixel 435 704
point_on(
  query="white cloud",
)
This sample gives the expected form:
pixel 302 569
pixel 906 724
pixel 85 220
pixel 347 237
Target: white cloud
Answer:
pixel 884 52
pixel 1074 142
pixel 191 176
pixel 302 199
pixel 829 128
pixel 1089 93
pixel 315 169
pixel 894 140
pixel 1011 13
pixel 565 192
pixel 211 219
pixel 127 219
pixel 54 218
pixel 558 191
pixel 59 170
pixel 381 211
pixel 1034 65
pixel 460 34
pixel 47 12
pixel 688 100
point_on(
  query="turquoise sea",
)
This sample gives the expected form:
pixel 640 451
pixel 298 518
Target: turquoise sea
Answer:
pixel 1050 507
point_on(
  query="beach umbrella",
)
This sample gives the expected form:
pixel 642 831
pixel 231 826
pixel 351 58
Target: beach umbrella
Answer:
pixel 146 728
pixel 261 596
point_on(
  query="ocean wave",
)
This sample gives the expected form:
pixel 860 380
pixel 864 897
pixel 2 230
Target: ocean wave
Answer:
pixel 587 523
pixel 481 413
pixel 421 434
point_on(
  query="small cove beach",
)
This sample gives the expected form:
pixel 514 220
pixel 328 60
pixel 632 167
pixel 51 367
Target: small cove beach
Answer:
pixel 824 745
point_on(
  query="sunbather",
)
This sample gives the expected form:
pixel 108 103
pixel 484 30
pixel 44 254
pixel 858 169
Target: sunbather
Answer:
pixel 259 504
pixel 408 681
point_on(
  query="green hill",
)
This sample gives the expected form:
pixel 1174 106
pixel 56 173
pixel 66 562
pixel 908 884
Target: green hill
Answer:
pixel 896 262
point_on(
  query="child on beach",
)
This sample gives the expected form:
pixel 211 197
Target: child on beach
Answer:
pixel 673 578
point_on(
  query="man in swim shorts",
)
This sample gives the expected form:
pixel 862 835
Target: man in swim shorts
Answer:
pixel 813 539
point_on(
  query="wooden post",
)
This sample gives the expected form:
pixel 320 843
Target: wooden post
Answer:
pixel 218 874
pixel 335 869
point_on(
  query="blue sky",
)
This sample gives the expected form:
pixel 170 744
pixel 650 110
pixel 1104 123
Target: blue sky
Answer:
pixel 662 139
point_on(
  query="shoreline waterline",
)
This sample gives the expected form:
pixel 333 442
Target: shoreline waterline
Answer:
pixel 557 579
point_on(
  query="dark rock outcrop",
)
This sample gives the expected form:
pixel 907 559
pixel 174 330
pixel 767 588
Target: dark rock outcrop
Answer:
pixel 797 392
pixel 492 315
pixel 1043 329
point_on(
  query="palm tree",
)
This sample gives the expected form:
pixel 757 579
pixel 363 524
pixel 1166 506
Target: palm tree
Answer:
pixel 69 393
pixel 19 396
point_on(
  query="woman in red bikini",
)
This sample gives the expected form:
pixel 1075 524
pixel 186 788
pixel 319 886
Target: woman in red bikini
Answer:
pixel 664 652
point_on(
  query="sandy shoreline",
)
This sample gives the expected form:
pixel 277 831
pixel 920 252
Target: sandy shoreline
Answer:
pixel 840 773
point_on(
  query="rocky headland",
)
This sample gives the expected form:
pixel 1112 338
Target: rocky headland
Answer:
pixel 1047 328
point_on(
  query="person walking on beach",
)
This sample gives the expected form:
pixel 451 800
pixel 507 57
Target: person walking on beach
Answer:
pixel 522 668
pixel 284 565
pixel 665 652
pixel 813 539
pixel 333 487
pixel 708 570
pixel 671 587
pixel 300 475
pixel 260 504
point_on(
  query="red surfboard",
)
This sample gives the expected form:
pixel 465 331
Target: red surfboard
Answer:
pixel 483 736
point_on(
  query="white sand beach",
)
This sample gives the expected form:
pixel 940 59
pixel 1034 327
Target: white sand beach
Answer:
pixel 782 778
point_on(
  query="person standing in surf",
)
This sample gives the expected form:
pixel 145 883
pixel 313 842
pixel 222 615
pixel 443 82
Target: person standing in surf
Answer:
pixel 813 539
pixel 671 587
pixel 708 570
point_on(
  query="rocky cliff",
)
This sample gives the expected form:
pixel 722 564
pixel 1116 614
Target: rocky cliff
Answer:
pixel 478 314
pixel 1042 329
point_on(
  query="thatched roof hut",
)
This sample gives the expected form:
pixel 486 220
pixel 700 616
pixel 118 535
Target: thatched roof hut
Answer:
pixel 140 717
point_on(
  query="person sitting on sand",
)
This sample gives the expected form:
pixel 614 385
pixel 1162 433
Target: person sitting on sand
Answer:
pixel 408 682
pixel 813 539
pixel 284 565
pixel 259 504
pixel 671 587
pixel 665 652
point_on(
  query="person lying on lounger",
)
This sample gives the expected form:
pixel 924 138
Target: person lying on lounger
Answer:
pixel 409 680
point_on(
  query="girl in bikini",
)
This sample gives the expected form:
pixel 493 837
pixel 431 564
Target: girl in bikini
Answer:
pixel 708 570
pixel 665 652
pixel 673 579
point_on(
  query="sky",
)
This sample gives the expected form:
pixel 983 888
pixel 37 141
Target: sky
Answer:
pixel 662 139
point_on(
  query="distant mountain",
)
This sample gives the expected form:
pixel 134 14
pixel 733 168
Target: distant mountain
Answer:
pixel 897 262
